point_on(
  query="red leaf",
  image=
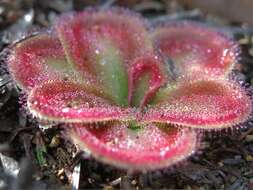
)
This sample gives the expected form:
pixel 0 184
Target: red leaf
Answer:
pixel 201 104
pixel 101 44
pixel 146 76
pixel 147 148
pixel 80 33
pixel 69 102
pixel 196 50
pixel 34 60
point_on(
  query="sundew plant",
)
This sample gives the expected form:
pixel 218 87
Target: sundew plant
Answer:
pixel 132 93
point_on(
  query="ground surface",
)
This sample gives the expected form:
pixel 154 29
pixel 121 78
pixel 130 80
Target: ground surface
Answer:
pixel 45 160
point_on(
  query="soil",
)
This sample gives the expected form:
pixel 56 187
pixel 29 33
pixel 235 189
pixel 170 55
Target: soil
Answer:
pixel 36 157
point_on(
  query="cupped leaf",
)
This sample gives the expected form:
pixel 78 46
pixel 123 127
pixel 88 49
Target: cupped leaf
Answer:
pixel 101 44
pixel 196 50
pixel 37 59
pixel 69 103
pixel 210 104
pixel 111 71
pixel 143 148
pixel 146 76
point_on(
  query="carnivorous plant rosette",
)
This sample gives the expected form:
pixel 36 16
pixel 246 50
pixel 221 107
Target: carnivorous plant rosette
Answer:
pixel 130 94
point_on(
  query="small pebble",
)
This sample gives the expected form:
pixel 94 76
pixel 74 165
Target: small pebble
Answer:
pixel 251 51
pixel 249 158
pixel 238 157
pixel 125 183
pixel 244 41
pixel 232 179
pixel 220 164
pixel 249 138
pixel 108 187
pixel 134 182
pixel 230 161
pixel 60 172
pixel 55 141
